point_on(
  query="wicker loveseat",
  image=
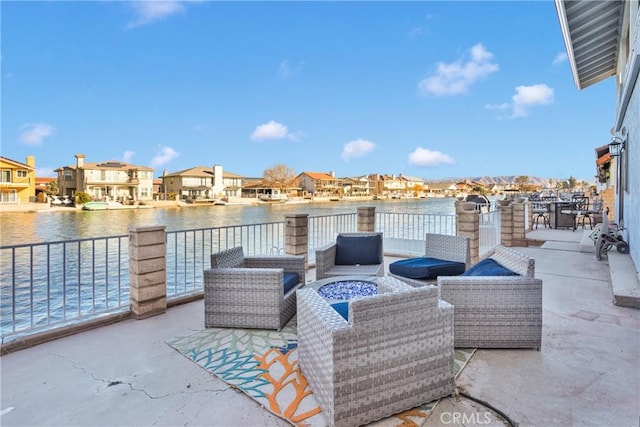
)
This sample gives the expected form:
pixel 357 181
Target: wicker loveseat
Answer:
pixel 394 353
pixel 497 311
pixel 251 291
pixel 352 254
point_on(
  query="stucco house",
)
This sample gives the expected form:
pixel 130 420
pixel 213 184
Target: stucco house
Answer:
pixel 110 180
pixel 602 39
pixel 202 182
pixel 17 180
pixel 320 183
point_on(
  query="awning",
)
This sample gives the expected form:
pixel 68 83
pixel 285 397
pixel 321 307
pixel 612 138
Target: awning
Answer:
pixel 604 159
pixel 591 32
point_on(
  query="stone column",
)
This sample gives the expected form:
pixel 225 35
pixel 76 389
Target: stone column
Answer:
pixel 506 223
pixel 296 236
pixel 147 271
pixel 468 225
pixel 519 224
pixel 367 219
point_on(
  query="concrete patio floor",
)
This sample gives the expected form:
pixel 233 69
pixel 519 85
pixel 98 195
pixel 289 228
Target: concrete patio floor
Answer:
pixel 587 372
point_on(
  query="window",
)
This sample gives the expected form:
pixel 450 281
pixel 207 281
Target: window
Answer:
pixel 21 173
pixel 5 175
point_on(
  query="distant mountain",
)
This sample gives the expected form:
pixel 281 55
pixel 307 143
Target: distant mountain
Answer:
pixel 500 180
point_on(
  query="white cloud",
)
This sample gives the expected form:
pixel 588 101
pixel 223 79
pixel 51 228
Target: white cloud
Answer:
pixel 286 70
pixel 358 148
pixel 456 77
pixel 424 157
pixel 128 155
pixel 35 133
pixel 269 130
pixel 164 156
pixel 148 12
pixel 529 96
pixel 560 58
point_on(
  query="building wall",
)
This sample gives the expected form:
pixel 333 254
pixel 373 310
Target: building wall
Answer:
pixel 632 195
pixel 23 186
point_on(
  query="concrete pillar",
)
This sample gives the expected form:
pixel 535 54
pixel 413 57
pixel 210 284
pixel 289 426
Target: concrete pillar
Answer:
pixel 367 219
pixel 519 224
pixel 468 225
pixel 296 236
pixel 148 271
pixel 506 224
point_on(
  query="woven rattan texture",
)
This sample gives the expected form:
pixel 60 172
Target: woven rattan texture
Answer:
pixel 248 292
pixel 326 262
pixel 394 353
pixel 497 311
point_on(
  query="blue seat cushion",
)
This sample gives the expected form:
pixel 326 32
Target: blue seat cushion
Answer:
pixel 342 308
pixel 363 250
pixel 489 267
pixel 290 281
pixel 426 268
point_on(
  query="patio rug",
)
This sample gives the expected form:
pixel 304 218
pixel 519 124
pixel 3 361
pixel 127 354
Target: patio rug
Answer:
pixel 263 364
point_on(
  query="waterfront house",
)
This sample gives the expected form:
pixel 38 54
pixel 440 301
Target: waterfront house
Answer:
pixel 320 184
pixel 42 183
pixel 202 183
pixel 356 186
pixel 602 40
pixel 414 186
pixel 442 189
pixel 110 180
pixel 17 180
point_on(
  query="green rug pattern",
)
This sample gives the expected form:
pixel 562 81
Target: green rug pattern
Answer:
pixel 263 364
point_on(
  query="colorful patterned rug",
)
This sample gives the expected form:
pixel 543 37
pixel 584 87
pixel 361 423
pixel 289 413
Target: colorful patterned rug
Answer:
pixel 264 365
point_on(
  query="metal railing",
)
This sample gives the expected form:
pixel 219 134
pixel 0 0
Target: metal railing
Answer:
pixel 49 284
pixel 189 251
pixel 489 232
pixel 45 285
pixel 323 230
pixel 404 232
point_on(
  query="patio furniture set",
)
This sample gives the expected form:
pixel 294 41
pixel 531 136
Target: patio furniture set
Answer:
pixel 373 344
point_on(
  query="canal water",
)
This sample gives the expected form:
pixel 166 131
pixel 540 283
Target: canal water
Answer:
pixel 50 226
pixel 36 292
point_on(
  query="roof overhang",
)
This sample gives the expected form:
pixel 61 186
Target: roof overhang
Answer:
pixel 591 31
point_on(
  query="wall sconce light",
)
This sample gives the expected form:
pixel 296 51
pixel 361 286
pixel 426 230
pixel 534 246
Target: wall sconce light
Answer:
pixel 616 146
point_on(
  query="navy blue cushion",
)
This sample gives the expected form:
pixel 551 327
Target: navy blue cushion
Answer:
pixel 290 280
pixel 489 267
pixel 342 308
pixel 426 268
pixel 363 250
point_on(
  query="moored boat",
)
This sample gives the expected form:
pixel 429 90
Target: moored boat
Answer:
pixel 96 206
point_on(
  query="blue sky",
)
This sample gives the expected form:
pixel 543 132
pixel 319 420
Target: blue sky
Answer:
pixel 427 89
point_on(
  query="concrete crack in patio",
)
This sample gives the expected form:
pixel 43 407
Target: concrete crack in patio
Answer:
pixel 112 383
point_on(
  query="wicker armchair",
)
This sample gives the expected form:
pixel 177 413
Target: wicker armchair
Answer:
pixel 441 247
pixel 497 311
pixel 248 291
pixel 363 253
pixel 394 353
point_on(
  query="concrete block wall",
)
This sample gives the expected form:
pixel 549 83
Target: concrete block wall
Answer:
pixel 147 271
pixel 468 225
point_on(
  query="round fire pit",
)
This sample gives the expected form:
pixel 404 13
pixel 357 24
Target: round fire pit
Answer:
pixel 347 289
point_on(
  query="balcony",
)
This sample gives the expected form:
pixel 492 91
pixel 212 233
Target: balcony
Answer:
pixel 125 373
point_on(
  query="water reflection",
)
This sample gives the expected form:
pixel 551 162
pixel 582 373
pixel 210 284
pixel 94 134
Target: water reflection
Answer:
pixel 48 226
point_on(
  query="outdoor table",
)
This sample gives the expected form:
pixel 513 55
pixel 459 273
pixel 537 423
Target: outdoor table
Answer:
pixel 343 288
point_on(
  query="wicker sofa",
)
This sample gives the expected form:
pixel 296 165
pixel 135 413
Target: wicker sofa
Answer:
pixel 352 254
pixel 394 353
pixel 497 311
pixel 248 291
pixel 440 247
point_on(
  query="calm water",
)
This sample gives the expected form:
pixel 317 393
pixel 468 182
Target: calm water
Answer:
pixel 37 227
